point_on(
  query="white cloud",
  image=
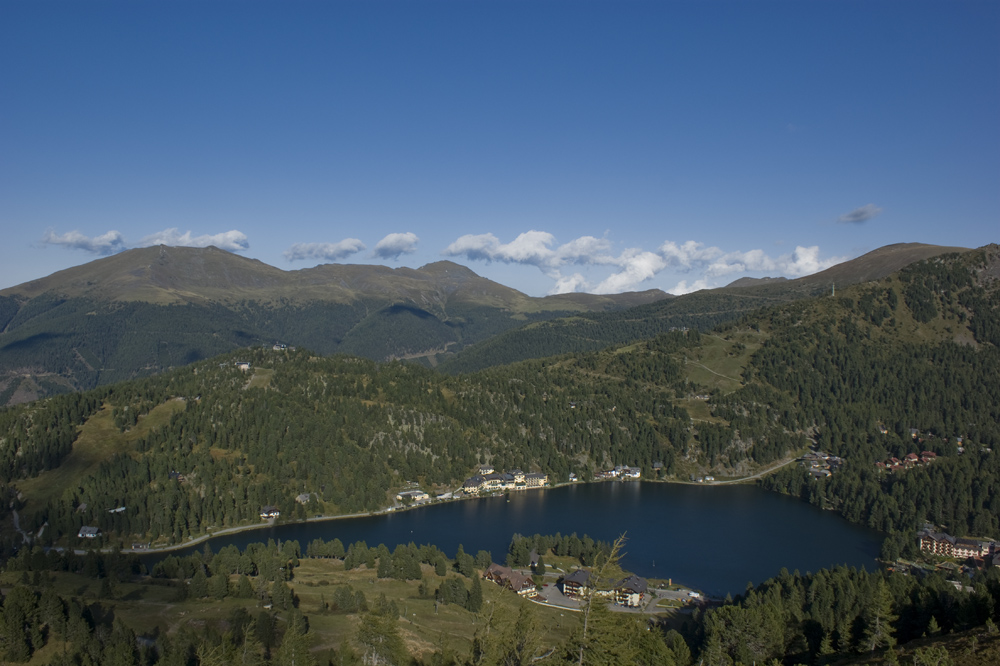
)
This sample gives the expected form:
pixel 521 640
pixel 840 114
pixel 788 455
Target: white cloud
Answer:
pixel 106 243
pixel 689 254
pixel 569 284
pixel 324 251
pixel 394 245
pixel 637 266
pixel 803 261
pixel 683 287
pixel 533 248
pixel 860 215
pixel 233 240
pixel 633 266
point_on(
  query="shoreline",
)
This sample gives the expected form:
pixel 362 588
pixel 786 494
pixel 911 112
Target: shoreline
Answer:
pixel 393 509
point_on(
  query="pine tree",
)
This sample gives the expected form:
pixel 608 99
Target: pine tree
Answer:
pixel 378 635
pixel 475 600
pixel 294 650
pixel 878 618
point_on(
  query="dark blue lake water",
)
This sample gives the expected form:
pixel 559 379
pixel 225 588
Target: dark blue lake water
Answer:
pixel 716 539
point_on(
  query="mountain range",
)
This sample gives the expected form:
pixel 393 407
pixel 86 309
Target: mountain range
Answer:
pixel 145 310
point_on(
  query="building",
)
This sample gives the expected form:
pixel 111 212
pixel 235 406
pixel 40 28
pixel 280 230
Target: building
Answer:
pixel 269 511
pixel 413 495
pixel 509 579
pixel 474 484
pixel 946 545
pixel 89 532
pixel 576 584
pixel 631 591
pixel 535 480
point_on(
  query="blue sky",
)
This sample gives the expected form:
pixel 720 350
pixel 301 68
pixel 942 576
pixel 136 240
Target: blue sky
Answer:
pixel 550 146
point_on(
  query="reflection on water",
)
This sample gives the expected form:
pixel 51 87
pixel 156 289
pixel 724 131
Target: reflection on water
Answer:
pixel 714 538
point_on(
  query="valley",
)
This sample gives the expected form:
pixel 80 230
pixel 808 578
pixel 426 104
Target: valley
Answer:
pixel 207 446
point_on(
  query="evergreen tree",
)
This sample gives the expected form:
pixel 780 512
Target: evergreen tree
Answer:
pixel 294 650
pixel 878 619
pixel 475 600
pixel 381 644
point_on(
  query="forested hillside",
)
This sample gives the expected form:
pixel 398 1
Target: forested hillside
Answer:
pixel 207 445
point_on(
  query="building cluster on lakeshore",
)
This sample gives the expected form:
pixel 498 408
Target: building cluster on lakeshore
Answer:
pixel 623 472
pixel 979 551
pixel 488 480
pixel 820 464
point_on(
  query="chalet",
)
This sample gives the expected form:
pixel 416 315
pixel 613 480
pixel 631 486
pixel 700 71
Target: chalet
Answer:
pixel 486 469
pixel 927 456
pixel 509 579
pixel 242 365
pixel 517 476
pixel 577 583
pixel 303 498
pixel 497 573
pixel 631 591
pixel 474 484
pixel 279 347
pixel 89 532
pixel 911 459
pixel 573 478
pixel 629 472
pixel 522 585
pixel 269 511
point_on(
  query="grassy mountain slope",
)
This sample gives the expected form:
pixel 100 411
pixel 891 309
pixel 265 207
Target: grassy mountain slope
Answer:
pixel 144 310
pixel 702 310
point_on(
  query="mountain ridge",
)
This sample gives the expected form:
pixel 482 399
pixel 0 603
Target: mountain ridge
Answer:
pixel 146 310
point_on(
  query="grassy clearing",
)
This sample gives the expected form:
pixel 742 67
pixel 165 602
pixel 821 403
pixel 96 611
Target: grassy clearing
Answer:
pixel 719 362
pixel 98 440
pixel 699 410
pixel 261 378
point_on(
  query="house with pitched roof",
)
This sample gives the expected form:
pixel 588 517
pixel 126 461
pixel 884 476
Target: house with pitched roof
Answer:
pixel 576 584
pixel 631 591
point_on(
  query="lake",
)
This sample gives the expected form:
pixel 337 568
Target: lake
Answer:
pixel 716 539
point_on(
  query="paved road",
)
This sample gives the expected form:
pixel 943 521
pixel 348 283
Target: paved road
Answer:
pixel 759 474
